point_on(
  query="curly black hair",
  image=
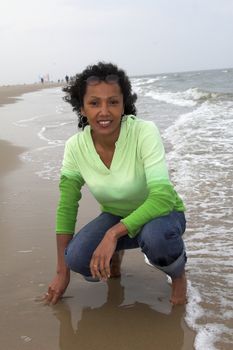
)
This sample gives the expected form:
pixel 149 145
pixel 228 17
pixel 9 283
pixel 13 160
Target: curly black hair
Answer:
pixel 76 88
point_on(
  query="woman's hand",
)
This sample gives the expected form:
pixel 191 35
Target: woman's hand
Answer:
pixel 57 287
pixel 100 262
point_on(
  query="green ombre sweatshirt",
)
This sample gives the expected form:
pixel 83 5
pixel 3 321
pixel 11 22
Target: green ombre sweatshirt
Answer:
pixel 136 187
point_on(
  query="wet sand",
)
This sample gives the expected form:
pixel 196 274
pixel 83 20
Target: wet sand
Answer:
pixel 132 312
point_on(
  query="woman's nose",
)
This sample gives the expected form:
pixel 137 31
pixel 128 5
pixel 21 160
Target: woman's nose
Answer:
pixel 104 109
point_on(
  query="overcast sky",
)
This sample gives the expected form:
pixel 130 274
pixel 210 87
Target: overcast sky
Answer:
pixel 61 37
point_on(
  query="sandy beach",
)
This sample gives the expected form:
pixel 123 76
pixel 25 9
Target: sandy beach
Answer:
pixel 12 93
pixel 129 313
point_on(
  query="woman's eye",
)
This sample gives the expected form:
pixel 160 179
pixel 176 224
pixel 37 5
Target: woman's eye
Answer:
pixel 93 103
pixel 114 102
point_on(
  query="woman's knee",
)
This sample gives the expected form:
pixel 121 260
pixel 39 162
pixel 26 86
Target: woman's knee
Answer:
pixel 77 260
pixel 80 249
pixel 161 240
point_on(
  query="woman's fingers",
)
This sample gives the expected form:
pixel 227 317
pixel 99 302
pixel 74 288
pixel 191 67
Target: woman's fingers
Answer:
pixel 56 297
pixel 94 267
pixel 107 268
pixel 52 296
pixel 100 267
pixel 104 264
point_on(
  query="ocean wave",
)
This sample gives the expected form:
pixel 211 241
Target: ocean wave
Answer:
pixel 188 98
pixel 147 81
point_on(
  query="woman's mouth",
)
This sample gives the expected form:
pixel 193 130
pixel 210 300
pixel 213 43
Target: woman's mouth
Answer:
pixel 104 123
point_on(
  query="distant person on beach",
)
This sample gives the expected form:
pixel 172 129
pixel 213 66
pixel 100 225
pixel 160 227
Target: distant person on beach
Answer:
pixel 67 79
pixel 121 159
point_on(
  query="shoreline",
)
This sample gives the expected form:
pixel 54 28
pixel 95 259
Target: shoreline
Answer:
pixel 9 157
pixel 29 255
pixel 11 93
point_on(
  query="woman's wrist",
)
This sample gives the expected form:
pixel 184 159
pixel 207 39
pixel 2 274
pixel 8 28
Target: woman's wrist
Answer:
pixel 65 273
pixel 64 270
pixel 117 231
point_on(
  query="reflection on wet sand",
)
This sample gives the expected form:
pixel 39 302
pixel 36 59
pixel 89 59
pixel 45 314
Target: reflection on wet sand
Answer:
pixel 116 326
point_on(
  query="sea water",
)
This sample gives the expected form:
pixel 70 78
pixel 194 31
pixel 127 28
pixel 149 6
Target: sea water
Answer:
pixel 194 112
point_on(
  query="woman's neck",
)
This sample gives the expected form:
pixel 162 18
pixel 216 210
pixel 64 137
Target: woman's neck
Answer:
pixel 106 141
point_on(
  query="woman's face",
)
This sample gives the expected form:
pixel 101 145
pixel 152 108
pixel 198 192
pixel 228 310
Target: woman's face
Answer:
pixel 103 106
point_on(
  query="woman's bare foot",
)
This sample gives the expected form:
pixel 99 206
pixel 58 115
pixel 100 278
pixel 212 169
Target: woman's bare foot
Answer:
pixel 115 268
pixel 179 290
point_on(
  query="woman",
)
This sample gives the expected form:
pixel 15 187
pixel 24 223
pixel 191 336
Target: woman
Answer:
pixel 121 159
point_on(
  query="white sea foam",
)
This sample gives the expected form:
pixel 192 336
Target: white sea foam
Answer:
pixel 24 251
pixel 201 163
pixel 25 122
pixel 137 89
pixel 45 159
pixel 49 172
pixel 208 335
pixel 46 132
pixel 25 338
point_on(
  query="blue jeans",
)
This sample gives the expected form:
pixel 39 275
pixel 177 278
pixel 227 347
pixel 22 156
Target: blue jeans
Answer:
pixel 160 240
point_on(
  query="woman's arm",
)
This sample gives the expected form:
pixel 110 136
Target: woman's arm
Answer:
pixel 62 243
pixel 65 225
pixel 62 278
